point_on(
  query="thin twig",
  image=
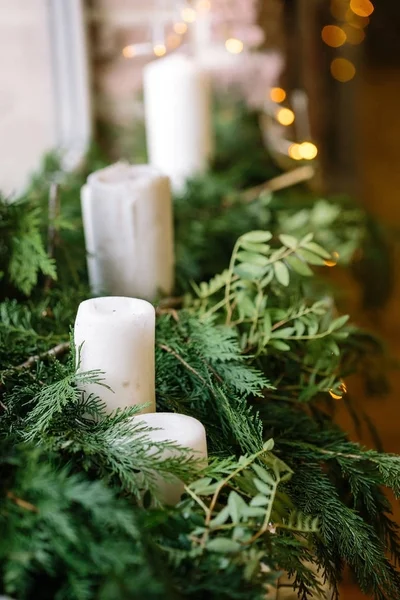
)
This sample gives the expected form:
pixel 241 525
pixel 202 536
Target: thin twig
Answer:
pixel 171 302
pixel 21 503
pixel 279 183
pixel 56 351
pixel 183 361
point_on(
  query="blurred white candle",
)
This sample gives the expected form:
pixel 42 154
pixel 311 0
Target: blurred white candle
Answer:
pixel 177 99
pixel 127 216
pixel 117 336
pixel 181 430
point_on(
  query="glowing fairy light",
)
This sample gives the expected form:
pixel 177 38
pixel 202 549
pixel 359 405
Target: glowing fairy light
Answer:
pixel 159 49
pixel 342 69
pixel 277 94
pixel 294 152
pixel 362 8
pixel 234 46
pixel 180 28
pixel 188 14
pixel 308 150
pixel 129 51
pixel 333 36
pixel 285 116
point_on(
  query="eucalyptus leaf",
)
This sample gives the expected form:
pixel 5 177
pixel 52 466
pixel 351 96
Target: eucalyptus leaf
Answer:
pixel 252 258
pixel 299 266
pixel 223 545
pixel 249 271
pixel 339 322
pixel 256 236
pixel 289 241
pixel 282 273
pixel 317 249
pixel 310 257
pixel 256 247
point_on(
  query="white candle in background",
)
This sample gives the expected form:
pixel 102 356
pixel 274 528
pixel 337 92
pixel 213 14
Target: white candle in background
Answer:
pixel 127 217
pixel 177 98
pixel 181 430
pixel 117 336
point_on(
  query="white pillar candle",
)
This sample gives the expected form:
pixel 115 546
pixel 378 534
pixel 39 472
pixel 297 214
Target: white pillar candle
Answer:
pixel 117 336
pixel 127 216
pixel 181 430
pixel 177 99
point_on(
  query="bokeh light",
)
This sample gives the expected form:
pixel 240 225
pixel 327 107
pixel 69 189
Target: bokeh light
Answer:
pixel 342 69
pixel 277 94
pixel 159 50
pixel 354 35
pixel 362 8
pixel 234 46
pixel 188 14
pixel 173 40
pixel 180 28
pixel 308 150
pixel 295 152
pixel 285 116
pixel 356 20
pixel 203 5
pixel 333 36
pixel 129 51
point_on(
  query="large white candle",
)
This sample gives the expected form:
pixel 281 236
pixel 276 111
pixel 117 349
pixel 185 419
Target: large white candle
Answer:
pixel 178 117
pixel 116 335
pixel 127 216
pixel 183 431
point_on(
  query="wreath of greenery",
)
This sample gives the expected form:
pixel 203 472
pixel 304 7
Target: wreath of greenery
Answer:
pixel 252 347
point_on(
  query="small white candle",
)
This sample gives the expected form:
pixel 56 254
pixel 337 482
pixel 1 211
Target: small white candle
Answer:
pixel 127 216
pixel 118 336
pixel 177 99
pixel 183 431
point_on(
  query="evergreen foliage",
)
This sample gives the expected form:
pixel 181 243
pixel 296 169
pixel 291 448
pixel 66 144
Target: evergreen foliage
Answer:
pixel 253 352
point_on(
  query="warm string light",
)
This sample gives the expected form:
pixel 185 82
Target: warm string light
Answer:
pixel 285 116
pixel 129 51
pixel 308 150
pixel 333 36
pixel 188 14
pixel 234 46
pixel 173 40
pixel 354 15
pixel 180 28
pixel 303 151
pixel 159 49
pixel 362 8
pixel 354 35
pixel 203 6
pixel 277 94
pixel 295 152
pixel 342 69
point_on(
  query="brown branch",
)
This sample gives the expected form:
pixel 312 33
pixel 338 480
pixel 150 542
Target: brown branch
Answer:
pixel 58 350
pixel 21 503
pixel 281 182
pixel 171 302
pixel 183 361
